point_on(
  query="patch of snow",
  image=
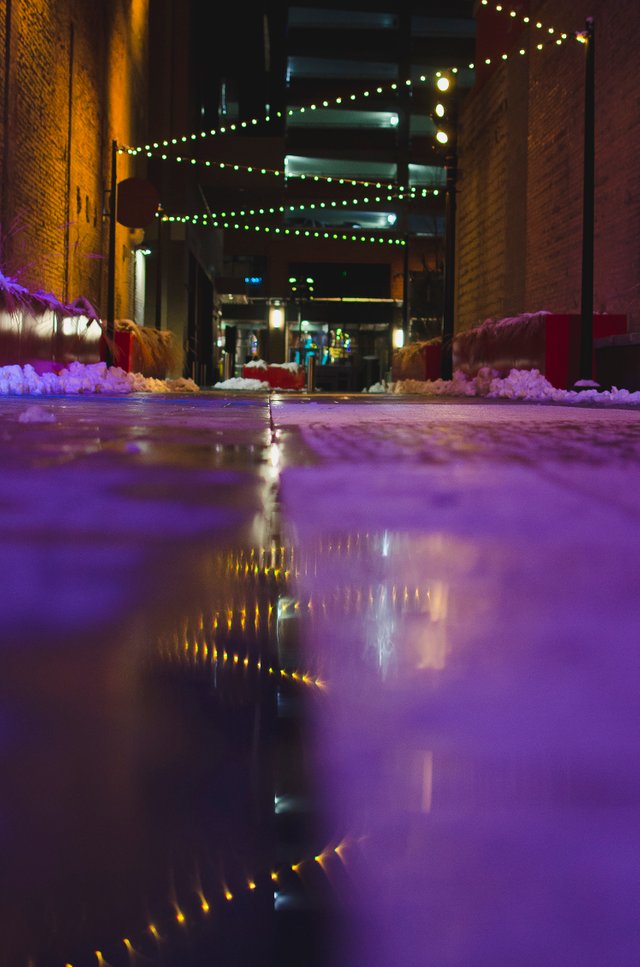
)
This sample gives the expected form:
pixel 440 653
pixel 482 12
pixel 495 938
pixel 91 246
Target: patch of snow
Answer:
pixel 36 414
pixel 238 382
pixel 292 367
pixel 85 378
pixel 257 364
pixel 520 384
pixel 377 388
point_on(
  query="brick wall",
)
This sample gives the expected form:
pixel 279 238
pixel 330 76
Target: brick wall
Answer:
pixel 74 78
pixel 521 157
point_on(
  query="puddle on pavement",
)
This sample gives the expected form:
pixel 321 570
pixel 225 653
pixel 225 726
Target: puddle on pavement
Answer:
pixel 167 794
pixel 157 804
pixel 299 769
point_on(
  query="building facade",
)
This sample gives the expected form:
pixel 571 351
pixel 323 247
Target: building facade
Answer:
pixel 521 163
pixel 73 78
pixel 325 192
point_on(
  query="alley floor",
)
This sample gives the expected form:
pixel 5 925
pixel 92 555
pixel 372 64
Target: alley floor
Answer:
pixel 323 681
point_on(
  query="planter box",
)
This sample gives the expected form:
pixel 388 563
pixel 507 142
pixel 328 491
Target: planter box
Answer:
pixel 618 361
pixel 128 355
pixel 417 361
pixel 276 376
pixel 548 342
pixel 123 352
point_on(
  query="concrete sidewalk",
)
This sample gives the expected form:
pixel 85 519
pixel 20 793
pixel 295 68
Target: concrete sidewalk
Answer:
pixel 473 602
pixel 445 591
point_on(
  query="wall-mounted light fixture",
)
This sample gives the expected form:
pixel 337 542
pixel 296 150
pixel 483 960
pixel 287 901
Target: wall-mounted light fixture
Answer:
pixel 276 317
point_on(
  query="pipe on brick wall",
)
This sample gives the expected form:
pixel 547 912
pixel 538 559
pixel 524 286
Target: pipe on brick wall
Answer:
pixel 111 259
pixel 67 181
pixel 4 187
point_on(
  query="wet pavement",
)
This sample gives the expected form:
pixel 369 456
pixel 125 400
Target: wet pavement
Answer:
pixel 334 681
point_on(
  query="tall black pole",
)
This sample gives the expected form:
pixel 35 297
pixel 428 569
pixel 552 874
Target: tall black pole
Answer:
pixel 446 364
pixel 111 259
pixel 588 206
pixel 406 304
pixel 159 272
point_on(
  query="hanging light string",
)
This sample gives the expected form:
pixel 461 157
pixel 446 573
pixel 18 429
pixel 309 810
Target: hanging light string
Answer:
pixel 312 206
pixel 401 190
pixel 236 127
pixel 552 36
pixel 205 221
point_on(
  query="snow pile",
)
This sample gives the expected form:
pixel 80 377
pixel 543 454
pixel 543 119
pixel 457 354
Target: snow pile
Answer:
pixel 84 378
pixel 520 384
pixel 179 385
pixel 291 367
pixel 377 388
pixel 238 382
pixel 37 414
pixel 256 363
pixel 491 325
pixel 460 385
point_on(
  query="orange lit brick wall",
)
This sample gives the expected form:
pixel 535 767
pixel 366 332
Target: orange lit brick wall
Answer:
pixel 521 155
pixel 75 78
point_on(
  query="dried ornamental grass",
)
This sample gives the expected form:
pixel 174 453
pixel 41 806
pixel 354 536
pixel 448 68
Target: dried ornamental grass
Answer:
pixel 155 351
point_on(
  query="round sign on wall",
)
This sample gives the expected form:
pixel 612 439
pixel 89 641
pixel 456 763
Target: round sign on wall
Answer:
pixel 137 202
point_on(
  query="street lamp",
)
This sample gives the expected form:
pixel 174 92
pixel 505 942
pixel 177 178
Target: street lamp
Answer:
pixel 445 119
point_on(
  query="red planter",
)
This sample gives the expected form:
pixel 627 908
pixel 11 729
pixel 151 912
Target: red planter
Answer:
pixel 276 376
pixel 548 342
pixel 417 362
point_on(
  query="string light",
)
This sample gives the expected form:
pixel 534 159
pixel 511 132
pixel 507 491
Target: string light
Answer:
pixel 205 221
pixel 412 193
pixel 178 916
pixel 234 127
pixel 204 218
pixel 231 166
pixel 515 14
pixel 311 206
pixel 188 651
pixel 168 143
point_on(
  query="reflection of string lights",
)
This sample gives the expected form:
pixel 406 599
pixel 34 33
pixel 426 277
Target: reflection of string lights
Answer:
pixel 206 655
pixel 159 929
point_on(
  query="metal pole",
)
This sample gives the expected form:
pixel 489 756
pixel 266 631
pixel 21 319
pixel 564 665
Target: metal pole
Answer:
pixel 111 258
pixel 405 289
pixel 446 364
pixel 311 373
pixel 588 207
pixel 159 271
